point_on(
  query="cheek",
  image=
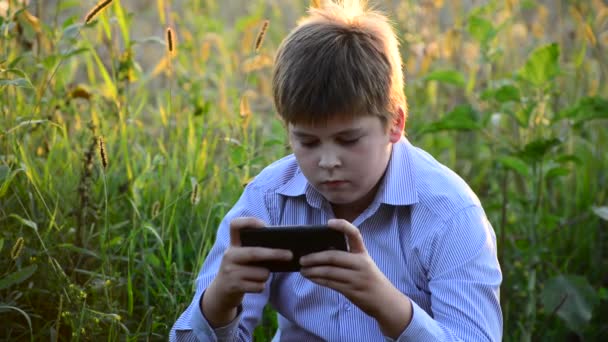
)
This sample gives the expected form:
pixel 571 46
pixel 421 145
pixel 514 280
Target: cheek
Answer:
pixel 304 157
pixel 363 153
pixel 368 159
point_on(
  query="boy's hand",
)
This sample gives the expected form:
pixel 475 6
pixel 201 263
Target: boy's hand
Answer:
pixel 356 276
pixel 236 276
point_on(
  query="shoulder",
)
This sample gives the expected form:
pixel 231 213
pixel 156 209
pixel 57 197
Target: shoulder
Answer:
pixel 274 176
pixel 441 192
pixel 260 198
pixel 448 218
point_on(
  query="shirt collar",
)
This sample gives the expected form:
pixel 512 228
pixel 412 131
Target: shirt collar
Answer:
pixel 398 186
pixel 298 186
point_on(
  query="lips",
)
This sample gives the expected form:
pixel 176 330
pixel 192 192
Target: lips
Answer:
pixel 334 183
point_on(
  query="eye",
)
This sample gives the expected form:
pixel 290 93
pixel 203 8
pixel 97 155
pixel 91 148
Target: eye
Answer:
pixel 349 142
pixel 309 144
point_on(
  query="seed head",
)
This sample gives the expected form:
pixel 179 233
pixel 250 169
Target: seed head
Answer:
pixel 155 209
pixel 17 248
pixel 170 41
pixel 244 108
pixel 260 38
pixel 102 152
pixel 95 10
pixel 194 197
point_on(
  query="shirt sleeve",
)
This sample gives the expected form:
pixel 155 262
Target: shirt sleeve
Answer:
pixel 464 281
pixel 192 324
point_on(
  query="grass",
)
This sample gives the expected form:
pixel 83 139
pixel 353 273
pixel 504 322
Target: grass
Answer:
pixel 512 95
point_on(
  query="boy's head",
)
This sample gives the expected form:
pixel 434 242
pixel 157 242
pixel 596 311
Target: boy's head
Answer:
pixel 340 61
pixel 338 86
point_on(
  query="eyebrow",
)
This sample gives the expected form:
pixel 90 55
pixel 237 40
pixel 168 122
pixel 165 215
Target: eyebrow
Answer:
pixel 301 134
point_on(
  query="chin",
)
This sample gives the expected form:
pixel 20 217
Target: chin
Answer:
pixel 339 199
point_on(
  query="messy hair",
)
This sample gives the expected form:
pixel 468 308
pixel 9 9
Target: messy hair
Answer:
pixel 341 60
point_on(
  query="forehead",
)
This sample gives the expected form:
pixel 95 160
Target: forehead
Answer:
pixel 337 125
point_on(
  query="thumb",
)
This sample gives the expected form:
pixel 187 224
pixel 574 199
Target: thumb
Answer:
pixel 353 235
pixel 240 223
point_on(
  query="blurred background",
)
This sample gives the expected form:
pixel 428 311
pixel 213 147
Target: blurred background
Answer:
pixel 119 155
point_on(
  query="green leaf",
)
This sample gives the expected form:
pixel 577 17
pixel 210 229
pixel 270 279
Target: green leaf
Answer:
pixel 447 76
pixel 480 29
pixel 522 115
pixel 588 108
pixel 15 61
pixel 153 231
pixel 123 22
pixel 7 178
pixel 601 212
pixel 556 172
pixel 105 75
pixel 536 150
pixel 579 58
pixel 17 82
pixel 71 31
pixel 274 142
pixel 17 72
pixel 145 40
pixel 49 61
pixel 83 251
pixel 25 222
pixel 4 308
pixel 515 164
pixel 1 244
pixel 17 277
pixel 74 51
pixel 571 298
pixel 502 94
pixel 542 65
pixel 152 259
pixel 565 158
pixel 27 123
pixel 603 293
pixel 4 172
pixel 461 118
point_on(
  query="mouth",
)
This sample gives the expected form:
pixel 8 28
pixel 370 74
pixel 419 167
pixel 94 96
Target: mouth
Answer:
pixel 334 183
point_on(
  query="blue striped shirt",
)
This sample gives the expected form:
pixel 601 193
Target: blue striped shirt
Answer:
pixel 426 231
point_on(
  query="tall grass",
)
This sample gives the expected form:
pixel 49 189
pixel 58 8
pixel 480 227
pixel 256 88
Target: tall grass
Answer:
pixel 120 153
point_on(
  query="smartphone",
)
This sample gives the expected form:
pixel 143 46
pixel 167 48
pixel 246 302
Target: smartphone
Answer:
pixel 300 240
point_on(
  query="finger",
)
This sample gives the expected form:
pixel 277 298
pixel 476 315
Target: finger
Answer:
pixel 334 274
pixel 248 255
pixel 253 273
pixel 339 259
pixel 340 287
pixel 251 286
pixel 240 223
pixel 355 240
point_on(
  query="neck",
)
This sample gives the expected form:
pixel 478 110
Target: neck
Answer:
pixel 346 212
pixel 351 211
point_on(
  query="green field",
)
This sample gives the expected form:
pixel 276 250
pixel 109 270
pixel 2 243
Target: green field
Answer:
pixel 105 245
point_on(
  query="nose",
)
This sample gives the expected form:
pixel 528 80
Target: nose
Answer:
pixel 329 160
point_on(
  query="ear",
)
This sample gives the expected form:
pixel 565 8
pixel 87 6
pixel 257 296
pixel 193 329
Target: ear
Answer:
pixel 396 129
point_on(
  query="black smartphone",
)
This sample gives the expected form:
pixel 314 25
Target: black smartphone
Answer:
pixel 300 240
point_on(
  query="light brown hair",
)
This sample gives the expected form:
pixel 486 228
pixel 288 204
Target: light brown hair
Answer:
pixel 341 60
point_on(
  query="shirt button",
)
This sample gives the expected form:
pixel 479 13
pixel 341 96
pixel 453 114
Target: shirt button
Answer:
pixel 346 306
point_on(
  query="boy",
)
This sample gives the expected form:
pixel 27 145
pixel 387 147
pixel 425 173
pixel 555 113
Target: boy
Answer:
pixel 422 263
